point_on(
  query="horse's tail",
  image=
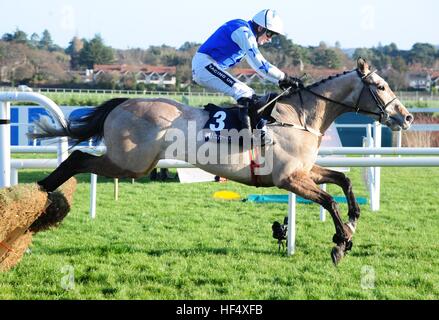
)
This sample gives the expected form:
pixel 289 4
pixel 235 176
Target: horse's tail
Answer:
pixel 81 129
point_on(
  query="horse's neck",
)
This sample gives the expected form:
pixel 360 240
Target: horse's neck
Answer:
pixel 320 114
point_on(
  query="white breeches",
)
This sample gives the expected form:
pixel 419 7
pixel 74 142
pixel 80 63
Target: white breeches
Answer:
pixel 207 73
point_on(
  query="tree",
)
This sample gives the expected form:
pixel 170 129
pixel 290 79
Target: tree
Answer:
pixel 323 45
pixel 390 50
pixel 184 73
pixel 24 73
pixel 423 53
pixel 34 40
pixel 326 57
pixel 189 46
pixel 108 80
pixel 300 54
pixel 8 37
pixel 50 67
pixel 282 52
pixel 279 43
pixel 375 56
pixel 364 53
pixel 74 51
pixel 19 36
pixel 46 41
pixel 129 81
pixel 395 79
pixel 399 64
pixel 95 52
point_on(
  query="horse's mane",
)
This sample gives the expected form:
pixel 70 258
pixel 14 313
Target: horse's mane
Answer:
pixel 316 84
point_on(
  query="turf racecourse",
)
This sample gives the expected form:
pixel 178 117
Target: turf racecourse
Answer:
pixel 173 241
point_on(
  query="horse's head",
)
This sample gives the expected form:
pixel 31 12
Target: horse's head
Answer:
pixel 378 100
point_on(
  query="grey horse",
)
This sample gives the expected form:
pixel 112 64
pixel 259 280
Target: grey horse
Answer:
pixel 140 132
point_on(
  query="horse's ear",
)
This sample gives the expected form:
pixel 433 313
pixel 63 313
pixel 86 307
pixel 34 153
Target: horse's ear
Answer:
pixel 362 65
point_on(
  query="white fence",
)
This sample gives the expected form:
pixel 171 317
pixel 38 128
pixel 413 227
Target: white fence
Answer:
pixel 417 96
pixel 5 128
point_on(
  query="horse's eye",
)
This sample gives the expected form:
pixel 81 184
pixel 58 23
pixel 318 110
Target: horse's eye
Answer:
pixel 381 87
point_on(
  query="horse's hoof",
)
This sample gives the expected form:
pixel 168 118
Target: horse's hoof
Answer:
pixel 349 245
pixel 337 239
pixel 337 254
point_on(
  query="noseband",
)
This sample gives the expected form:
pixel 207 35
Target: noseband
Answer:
pixel 383 114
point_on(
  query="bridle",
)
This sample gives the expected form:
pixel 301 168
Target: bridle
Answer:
pixel 383 114
pixel 381 106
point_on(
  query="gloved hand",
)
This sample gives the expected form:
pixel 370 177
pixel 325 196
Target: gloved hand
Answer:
pixel 290 82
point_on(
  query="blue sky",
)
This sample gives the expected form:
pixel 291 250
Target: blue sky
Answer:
pixel 134 23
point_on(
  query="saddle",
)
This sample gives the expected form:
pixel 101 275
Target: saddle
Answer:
pixel 224 119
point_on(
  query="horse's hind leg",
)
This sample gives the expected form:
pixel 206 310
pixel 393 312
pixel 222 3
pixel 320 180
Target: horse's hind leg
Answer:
pixel 301 184
pixel 322 175
pixel 81 162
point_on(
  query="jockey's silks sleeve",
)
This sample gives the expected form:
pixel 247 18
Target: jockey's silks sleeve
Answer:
pixel 246 40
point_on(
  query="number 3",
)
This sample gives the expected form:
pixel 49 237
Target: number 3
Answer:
pixel 221 116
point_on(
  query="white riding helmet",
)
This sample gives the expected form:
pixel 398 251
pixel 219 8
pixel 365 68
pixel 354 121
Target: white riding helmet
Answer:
pixel 269 19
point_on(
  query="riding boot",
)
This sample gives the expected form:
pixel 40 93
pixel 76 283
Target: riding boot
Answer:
pixel 248 115
pixel 259 102
pixel 244 113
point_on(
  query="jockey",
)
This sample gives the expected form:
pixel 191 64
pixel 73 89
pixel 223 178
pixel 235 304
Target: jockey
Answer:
pixel 226 47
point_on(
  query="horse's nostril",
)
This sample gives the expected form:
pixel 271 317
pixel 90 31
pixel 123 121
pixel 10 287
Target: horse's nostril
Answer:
pixel 409 118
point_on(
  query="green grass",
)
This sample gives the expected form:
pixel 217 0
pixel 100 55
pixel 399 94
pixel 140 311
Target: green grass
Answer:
pixel 174 241
pixel 421 104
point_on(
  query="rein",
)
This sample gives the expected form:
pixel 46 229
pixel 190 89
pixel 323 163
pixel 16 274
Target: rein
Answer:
pixel 383 114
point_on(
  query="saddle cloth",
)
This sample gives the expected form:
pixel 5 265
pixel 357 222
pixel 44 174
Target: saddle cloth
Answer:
pixel 229 118
pixel 220 122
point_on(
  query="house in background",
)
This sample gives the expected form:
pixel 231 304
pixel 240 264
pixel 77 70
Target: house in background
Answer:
pixel 247 75
pixel 147 74
pixel 419 81
pixel 157 75
pixel 435 79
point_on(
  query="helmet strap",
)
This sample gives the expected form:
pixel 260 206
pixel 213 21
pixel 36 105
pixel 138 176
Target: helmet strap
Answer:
pixel 258 33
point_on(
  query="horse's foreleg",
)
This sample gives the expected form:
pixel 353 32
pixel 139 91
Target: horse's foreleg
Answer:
pixel 81 162
pixel 303 185
pixel 322 175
